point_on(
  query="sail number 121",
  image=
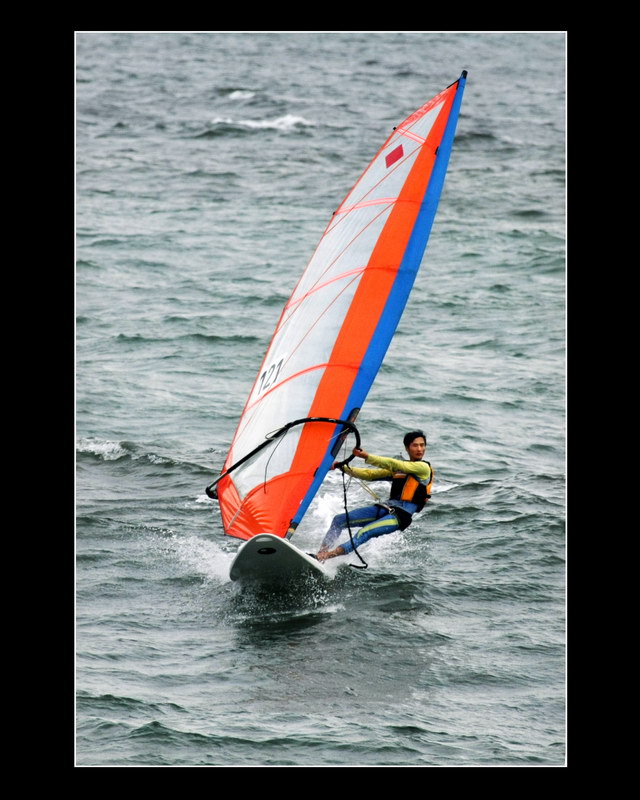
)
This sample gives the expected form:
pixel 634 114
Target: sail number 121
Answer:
pixel 270 375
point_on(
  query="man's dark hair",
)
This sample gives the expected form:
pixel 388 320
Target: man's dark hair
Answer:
pixel 409 437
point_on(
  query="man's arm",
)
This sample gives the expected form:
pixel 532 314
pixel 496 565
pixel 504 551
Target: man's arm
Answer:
pixel 418 468
pixel 368 474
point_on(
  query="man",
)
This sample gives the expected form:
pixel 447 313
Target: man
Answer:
pixel 410 486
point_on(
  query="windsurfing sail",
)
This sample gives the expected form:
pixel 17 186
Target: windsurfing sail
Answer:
pixel 335 329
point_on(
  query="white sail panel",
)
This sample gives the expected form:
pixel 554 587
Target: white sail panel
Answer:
pixel 294 365
pixel 384 179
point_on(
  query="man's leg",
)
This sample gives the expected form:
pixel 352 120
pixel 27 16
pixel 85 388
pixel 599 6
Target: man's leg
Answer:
pixel 386 524
pixel 357 518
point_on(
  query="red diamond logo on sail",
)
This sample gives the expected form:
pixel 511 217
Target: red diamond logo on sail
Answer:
pixel 394 156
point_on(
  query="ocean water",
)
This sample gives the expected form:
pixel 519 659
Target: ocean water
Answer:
pixel 207 166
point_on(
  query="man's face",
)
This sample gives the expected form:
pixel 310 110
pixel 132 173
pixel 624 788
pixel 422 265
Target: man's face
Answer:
pixel 416 448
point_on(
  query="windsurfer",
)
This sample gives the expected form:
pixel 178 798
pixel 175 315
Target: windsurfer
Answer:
pixel 410 486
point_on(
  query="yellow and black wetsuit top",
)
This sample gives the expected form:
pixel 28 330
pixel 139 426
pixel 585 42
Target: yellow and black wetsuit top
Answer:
pixel 411 483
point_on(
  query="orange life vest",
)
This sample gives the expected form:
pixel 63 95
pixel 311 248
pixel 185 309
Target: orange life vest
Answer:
pixel 410 489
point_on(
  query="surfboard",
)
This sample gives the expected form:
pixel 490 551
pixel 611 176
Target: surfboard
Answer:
pixel 266 558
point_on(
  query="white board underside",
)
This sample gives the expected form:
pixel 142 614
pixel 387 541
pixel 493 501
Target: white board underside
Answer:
pixel 269 559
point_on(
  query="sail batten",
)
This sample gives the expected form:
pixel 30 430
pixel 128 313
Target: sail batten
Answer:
pixel 335 329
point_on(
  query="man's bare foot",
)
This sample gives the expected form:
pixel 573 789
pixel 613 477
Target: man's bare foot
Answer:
pixel 323 555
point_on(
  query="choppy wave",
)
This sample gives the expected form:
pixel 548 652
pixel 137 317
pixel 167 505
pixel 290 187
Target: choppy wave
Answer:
pixel 222 126
pixel 105 450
